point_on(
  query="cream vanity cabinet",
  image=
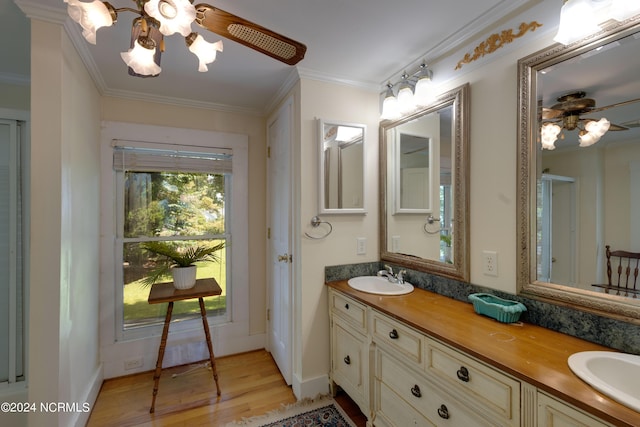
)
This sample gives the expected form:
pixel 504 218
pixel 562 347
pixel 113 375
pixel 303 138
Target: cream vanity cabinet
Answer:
pixel 554 413
pixel 400 377
pixel 350 348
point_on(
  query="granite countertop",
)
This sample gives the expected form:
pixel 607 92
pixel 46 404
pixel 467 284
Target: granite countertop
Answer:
pixel 530 353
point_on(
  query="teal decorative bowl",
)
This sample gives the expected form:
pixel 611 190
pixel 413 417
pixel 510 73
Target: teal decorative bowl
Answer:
pixel 502 310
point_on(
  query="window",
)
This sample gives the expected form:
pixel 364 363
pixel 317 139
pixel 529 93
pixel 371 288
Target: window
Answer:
pixel 12 249
pixel 174 196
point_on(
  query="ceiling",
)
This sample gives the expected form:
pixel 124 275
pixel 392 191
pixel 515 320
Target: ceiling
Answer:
pixel 360 42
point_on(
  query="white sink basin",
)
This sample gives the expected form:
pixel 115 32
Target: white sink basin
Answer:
pixel 379 285
pixel 615 374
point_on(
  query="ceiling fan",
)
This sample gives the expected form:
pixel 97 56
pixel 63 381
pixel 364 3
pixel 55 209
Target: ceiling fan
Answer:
pixel 159 18
pixel 568 114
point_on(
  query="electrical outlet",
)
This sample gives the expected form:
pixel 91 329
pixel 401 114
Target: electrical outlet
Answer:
pixel 361 246
pixel 133 363
pixel 490 263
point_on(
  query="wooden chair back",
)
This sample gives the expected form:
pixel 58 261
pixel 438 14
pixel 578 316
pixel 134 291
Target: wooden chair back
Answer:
pixel 622 272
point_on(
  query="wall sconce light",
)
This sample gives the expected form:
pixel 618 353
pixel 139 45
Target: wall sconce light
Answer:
pixel 581 18
pixel 414 91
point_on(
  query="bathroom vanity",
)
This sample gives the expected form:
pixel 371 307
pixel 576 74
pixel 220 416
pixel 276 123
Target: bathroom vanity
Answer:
pixel 424 359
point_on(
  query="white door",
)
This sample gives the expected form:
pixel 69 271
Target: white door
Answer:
pixel 279 174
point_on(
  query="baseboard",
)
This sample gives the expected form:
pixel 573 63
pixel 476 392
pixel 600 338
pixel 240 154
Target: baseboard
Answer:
pixel 311 387
pixel 91 395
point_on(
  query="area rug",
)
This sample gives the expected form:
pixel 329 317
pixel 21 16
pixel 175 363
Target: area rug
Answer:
pixel 320 412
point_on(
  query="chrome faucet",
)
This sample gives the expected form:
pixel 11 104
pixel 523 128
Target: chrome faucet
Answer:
pixel 393 278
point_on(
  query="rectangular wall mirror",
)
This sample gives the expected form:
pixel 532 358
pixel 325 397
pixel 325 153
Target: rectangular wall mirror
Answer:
pixel 424 176
pixel 342 172
pixel 578 189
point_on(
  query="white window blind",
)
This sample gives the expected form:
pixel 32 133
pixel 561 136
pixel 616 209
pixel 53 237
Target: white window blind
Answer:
pixel 175 160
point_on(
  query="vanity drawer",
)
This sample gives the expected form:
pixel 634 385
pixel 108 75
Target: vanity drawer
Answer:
pixel 348 309
pixel 482 385
pixel 397 336
pixel 406 397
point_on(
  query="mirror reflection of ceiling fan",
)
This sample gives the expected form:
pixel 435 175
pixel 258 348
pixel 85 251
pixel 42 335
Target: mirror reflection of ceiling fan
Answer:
pixel 159 18
pixel 568 113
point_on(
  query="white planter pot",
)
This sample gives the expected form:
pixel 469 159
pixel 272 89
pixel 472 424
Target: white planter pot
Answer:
pixel 184 277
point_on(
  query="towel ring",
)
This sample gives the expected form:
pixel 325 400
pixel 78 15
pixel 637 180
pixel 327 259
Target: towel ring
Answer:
pixel 315 223
pixel 430 226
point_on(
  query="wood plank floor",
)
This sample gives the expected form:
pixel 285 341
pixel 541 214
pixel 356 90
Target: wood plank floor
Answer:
pixel 250 383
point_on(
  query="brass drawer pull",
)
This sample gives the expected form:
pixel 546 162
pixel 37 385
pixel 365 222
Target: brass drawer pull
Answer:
pixel 463 374
pixel 347 360
pixel 393 334
pixel 443 412
pixel 415 390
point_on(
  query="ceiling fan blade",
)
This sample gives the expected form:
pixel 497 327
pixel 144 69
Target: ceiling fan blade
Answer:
pixel 249 34
pixel 618 104
pixel 550 113
pixel 615 127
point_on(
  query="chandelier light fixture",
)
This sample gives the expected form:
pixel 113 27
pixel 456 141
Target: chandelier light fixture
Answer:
pixel 414 91
pixel 581 18
pixel 158 18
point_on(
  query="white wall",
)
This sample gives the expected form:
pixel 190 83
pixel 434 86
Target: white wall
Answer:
pixel 346 104
pixel 63 316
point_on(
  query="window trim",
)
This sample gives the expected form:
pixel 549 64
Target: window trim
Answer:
pixel 236 328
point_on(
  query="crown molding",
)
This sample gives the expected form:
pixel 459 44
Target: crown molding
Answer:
pixel 461 36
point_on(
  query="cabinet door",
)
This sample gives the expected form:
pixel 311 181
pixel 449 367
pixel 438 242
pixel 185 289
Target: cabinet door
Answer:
pixel 554 413
pixel 349 362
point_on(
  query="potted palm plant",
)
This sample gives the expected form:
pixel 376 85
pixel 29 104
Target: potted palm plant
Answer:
pixel 179 261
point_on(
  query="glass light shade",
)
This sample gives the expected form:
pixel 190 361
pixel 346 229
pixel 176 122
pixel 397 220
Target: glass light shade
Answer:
pixel 175 16
pixel 548 135
pixel 588 138
pixel 621 10
pixel 90 16
pixel 406 102
pixel 205 51
pixel 423 94
pixel 390 110
pixel 598 128
pixel 577 20
pixel 140 59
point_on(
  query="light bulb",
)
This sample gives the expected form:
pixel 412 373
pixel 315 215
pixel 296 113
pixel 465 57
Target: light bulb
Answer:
pixel 577 20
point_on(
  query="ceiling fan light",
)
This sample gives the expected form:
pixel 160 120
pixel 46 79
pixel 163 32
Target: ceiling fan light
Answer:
pixel 205 51
pixel 588 138
pixel 548 135
pixel 621 10
pixel 598 128
pixel 141 59
pixel 577 20
pixel 175 16
pixel 91 16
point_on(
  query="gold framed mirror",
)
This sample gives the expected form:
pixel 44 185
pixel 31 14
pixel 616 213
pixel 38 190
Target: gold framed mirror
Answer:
pixel 575 196
pixel 424 181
